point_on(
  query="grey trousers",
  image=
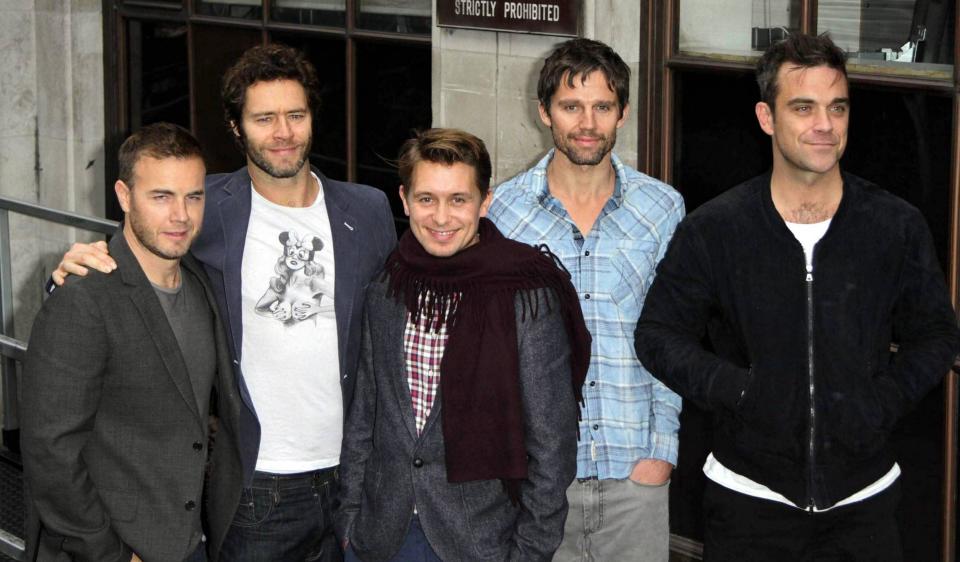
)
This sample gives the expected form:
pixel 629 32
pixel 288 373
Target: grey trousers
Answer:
pixel 613 520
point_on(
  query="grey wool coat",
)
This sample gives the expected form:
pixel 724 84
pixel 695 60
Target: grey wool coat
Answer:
pixel 387 469
pixel 114 447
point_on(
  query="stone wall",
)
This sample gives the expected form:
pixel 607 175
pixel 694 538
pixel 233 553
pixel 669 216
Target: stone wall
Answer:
pixel 485 82
pixel 51 144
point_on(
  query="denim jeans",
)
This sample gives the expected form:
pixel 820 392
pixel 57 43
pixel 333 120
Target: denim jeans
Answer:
pixel 285 518
pixel 415 547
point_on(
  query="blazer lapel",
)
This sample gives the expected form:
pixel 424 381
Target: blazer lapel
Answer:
pixel 345 252
pixel 394 317
pixel 145 300
pixel 234 218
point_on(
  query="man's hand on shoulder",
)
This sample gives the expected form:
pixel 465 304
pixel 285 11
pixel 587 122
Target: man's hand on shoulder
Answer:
pixel 80 257
pixel 651 472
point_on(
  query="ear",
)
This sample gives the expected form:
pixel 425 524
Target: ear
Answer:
pixel 123 195
pixel 624 115
pixel 403 199
pixel 284 236
pixel 764 117
pixel 485 205
pixel 316 243
pixel 544 115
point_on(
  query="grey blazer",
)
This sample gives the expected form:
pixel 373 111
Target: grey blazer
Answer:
pixel 114 447
pixel 386 469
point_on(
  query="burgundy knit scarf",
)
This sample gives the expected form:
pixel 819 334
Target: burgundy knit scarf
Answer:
pixel 482 412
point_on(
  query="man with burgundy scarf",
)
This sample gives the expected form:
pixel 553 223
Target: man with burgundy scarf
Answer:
pixel 461 439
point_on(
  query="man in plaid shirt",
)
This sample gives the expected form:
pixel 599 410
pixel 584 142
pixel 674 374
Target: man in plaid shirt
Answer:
pixel 610 225
pixel 461 440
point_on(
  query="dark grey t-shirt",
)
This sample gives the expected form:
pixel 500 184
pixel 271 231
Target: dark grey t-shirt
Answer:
pixel 189 315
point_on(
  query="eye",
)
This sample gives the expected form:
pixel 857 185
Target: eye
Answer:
pixel 297 116
pixel 603 107
pixel 459 200
pixel 839 108
pixel 424 199
pixel 263 119
pixel 161 197
pixel 801 108
pixel 195 196
pixel 303 254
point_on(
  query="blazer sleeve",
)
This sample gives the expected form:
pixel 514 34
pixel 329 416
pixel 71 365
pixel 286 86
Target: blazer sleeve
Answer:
pixel 357 437
pixel 62 381
pixel 550 425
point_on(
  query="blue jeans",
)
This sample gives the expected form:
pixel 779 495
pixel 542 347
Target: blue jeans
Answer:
pixel 415 547
pixel 285 518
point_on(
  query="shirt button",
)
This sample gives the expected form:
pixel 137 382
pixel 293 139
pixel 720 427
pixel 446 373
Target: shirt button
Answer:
pixel 587 253
pixel 596 426
pixel 190 505
pixel 593 383
pixel 198 446
pixel 418 462
pixel 587 296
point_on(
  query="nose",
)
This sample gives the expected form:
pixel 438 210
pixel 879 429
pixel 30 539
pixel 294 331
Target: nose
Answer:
pixel 441 215
pixel 588 121
pixel 283 129
pixel 178 211
pixel 824 120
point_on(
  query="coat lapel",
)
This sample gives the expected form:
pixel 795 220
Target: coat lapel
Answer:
pixel 393 318
pixel 345 251
pixel 145 300
pixel 234 217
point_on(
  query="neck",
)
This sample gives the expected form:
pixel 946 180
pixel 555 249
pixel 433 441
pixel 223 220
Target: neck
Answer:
pixel 579 183
pixel 298 191
pixel 160 271
pixel 806 197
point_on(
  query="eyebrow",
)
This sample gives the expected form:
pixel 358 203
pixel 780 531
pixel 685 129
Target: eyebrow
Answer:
pixel 809 101
pixel 264 113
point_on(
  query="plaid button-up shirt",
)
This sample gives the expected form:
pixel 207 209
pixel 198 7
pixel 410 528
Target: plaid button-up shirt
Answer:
pixel 422 352
pixel 627 415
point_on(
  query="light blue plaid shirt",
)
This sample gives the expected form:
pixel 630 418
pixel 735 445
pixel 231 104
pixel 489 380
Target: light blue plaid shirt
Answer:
pixel 628 415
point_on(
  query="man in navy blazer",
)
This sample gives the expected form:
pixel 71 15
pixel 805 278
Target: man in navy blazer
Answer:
pixel 288 252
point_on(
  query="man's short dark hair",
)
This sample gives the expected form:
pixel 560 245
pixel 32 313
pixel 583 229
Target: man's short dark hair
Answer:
pixel 797 49
pixel 447 147
pixel 266 63
pixel 577 58
pixel 159 140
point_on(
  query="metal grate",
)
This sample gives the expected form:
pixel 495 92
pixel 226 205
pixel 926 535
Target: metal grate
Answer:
pixel 11 502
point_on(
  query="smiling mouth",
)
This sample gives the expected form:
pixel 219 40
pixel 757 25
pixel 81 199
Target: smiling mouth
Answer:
pixel 441 233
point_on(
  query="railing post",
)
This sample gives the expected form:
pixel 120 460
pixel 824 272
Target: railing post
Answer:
pixel 8 372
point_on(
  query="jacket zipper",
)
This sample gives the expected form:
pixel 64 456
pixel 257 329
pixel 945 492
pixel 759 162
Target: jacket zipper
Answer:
pixel 811 503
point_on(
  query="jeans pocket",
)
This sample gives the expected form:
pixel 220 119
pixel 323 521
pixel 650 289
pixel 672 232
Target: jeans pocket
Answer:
pixel 255 507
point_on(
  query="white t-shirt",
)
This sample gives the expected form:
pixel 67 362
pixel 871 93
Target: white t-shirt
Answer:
pixel 808 235
pixel 290 359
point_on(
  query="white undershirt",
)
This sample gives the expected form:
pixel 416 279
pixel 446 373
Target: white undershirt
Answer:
pixel 808 235
pixel 290 359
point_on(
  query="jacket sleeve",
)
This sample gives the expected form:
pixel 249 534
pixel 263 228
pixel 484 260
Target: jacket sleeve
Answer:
pixel 62 382
pixel 924 326
pixel 666 405
pixel 672 325
pixel 550 426
pixel 357 437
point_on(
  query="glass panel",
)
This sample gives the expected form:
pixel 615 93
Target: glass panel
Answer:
pixel 158 80
pixel 215 49
pixel 733 29
pixel 329 13
pixel 246 9
pixel 329 152
pixel 393 97
pixel 901 141
pixel 902 37
pixel 401 16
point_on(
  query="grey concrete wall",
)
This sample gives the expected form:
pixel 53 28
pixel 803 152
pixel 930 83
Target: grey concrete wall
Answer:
pixel 51 145
pixel 485 82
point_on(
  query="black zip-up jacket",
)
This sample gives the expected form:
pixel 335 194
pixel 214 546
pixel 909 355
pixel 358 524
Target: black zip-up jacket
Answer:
pixel 799 373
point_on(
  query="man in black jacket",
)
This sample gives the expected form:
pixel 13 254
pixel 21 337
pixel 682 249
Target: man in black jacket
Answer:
pixel 802 278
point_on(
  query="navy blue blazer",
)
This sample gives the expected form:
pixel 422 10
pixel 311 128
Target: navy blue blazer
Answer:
pixel 363 234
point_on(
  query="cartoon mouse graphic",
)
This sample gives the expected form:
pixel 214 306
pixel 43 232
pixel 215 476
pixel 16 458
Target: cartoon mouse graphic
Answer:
pixel 295 293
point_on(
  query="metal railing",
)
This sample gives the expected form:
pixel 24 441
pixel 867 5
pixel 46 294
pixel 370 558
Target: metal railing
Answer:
pixel 13 350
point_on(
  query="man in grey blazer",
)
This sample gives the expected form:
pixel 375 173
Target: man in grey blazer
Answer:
pixel 461 440
pixel 118 380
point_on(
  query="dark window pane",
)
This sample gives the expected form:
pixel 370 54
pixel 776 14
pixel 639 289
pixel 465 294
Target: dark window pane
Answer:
pixel 159 88
pixel 328 13
pixel 899 140
pixel 401 16
pixel 393 99
pixel 329 152
pixel 246 9
pixel 215 49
